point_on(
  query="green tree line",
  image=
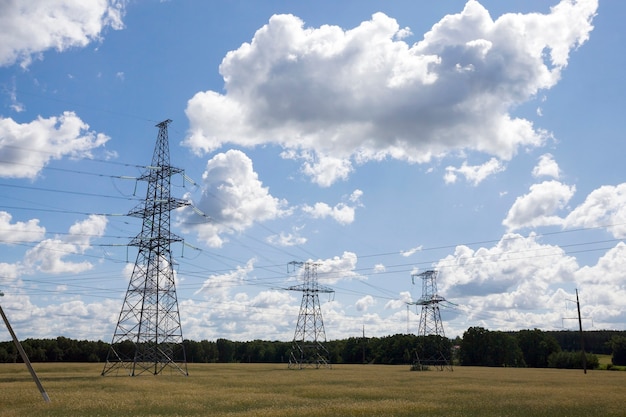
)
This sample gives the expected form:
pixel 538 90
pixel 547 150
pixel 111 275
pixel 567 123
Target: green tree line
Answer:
pixel 477 347
pixel 539 349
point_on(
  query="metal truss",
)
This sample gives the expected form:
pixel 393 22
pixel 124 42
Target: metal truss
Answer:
pixel 430 321
pixel 148 337
pixel 307 349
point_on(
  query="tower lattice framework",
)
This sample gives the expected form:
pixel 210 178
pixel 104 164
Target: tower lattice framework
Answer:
pixel 430 324
pixel 148 337
pixel 430 317
pixel 307 349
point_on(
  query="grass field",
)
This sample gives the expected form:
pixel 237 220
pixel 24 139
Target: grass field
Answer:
pixel 346 390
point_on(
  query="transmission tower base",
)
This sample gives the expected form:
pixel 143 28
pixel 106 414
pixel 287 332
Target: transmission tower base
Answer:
pixel 123 360
pixel 310 357
pixel 439 363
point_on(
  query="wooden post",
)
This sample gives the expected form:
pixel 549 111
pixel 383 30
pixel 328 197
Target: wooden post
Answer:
pixel 582 339
pixel 20 349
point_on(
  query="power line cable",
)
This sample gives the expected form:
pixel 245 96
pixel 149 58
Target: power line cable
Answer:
pixel 86 106
pixel 81 193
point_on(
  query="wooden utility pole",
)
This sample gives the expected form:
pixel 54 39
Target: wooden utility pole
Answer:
pixel 582 339
pixel 20 349
pixel 363 341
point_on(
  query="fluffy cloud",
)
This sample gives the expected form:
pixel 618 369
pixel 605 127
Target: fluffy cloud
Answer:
pixel 401 302
pixel 538 207
pixel 333 97
pixel 27 29
pixel 337 268
pixel 332 270
pixel 9 271
pixel 28 147
pixel 230 311
pixel 326 170
pixel 49 255
pixel 603 207
pixel 547 167
pixel 364 303
pixel 515 273
pixel 286 239
pixel 474 174
pixel 54 320
pixel 221 284
pixel 232 199
pixel 19 231
pixel 520 283
pixel 412 251
pixel 342 213
pixel 603 292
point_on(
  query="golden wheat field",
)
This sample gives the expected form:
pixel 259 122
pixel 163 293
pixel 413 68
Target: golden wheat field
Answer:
pixel 345 390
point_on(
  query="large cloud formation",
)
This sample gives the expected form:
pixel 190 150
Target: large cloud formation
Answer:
pixel 333 97
pixel 28 28
pixel 232 199
pixel 26 148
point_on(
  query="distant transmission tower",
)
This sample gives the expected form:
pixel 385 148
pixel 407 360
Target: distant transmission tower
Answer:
pixel 307 349
pixel 148 337
pixel 430 320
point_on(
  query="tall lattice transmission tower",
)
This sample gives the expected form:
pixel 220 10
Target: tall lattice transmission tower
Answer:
pixel 307 349
pixel 148 337
pixel 430 318
pixel 430 322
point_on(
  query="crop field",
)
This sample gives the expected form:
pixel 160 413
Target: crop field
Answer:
pixel 345 390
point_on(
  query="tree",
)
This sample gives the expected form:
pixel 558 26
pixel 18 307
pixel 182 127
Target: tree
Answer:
pixel 572 360
pixel 434 347
pixel 480 347
pixel 537 346
pixel 225 350
pixel 473 346
pixel 352 351
pixel 618 345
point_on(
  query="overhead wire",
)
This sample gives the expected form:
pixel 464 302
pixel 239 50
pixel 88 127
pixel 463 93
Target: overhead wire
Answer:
pixel 80 193
pixel 86 106
pixel 271 281
pixel 423 249
pixel 362 271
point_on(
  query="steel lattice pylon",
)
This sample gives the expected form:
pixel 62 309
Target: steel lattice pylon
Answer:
pixel 307 349
pixel 430 322
pixel 430 318
pixel 148 337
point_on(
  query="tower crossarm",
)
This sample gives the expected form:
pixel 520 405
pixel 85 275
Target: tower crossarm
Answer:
pixel 304 287
pixel 165 205
pixel 434 299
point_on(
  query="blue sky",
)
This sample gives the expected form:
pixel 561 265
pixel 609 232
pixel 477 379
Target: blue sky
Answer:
pixel 379 139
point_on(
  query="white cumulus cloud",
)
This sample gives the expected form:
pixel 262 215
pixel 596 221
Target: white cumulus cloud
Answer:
pixel 334 97
pixel 232 199
pixel 362 304
pixel 603 207
pixel 539 206
pixel 286 239
pixel 514 273
pixel 218 286
pixel 410 252
pixel 26 148
pixel 29 231
pixel 337 268
pixel 50 255
pixel 474 174
pixel 342 213
pixel 547 167
pixel 29 28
